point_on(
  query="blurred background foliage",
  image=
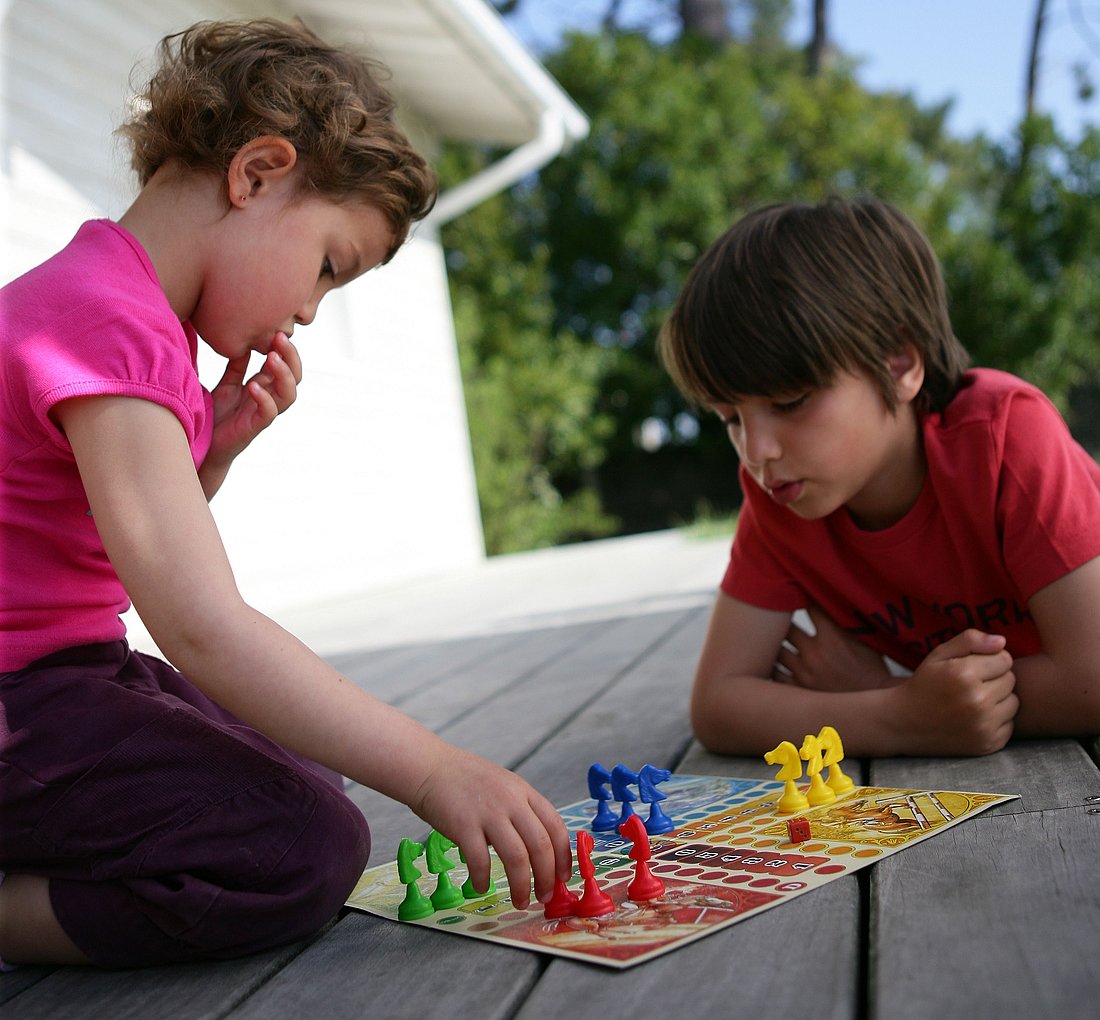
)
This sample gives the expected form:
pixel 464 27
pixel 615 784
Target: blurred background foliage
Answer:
pixel 560 285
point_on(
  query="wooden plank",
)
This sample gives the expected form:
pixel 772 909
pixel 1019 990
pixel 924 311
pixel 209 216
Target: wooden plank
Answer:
pixel 530 696
pixel 1045 773
pixel 999 916
pixel 401 672
pixel 469 689
pixel 17 981
pixel 540 704
pixel 640 717
pixel 201 991
pixel 368 967
pixel 1003 911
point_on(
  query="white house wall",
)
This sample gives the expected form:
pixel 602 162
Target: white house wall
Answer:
pixel 369 478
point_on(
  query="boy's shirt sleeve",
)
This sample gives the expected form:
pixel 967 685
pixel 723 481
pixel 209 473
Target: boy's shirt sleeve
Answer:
pixel 754 574
pixel 1049 501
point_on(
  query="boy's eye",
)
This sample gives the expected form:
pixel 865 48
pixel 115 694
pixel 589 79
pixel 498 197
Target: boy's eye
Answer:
pixel 785 406
pixel 326 267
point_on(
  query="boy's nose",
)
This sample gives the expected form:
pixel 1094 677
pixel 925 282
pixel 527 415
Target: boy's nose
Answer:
pixel 759 445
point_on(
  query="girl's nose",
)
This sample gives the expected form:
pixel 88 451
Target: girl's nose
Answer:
pixel 308 312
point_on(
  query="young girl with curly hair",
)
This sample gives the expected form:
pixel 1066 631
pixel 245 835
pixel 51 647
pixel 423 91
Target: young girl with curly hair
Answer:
pixel 155 812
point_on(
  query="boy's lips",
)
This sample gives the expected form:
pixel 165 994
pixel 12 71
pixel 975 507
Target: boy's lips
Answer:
pixel 784 492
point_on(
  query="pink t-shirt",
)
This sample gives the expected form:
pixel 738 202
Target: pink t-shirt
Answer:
pixel 1010 503
pixel 92 320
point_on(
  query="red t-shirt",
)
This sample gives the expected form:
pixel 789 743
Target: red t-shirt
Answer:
pixel 1010 503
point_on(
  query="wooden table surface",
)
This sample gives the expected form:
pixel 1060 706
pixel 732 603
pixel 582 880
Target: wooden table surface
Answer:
pixel 997 917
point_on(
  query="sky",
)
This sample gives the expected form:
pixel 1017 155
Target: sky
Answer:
pixel 974 51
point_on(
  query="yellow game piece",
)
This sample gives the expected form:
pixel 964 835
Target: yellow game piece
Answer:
pixel 833 756
pixel 810 753
pixel 786 754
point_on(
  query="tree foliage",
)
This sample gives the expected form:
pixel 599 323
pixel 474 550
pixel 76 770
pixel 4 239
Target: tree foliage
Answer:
pixel 561 285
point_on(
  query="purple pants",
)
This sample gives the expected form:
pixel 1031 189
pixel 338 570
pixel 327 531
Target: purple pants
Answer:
pixel 169 830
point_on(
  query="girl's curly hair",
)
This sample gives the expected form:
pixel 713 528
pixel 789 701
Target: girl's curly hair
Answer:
pixel 220 84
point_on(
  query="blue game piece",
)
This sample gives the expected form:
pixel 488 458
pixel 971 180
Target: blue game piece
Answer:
pixel 621 781
pixel 648 778
pixel 598 777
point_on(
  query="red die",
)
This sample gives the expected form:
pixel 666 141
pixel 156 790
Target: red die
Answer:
pixel 798 829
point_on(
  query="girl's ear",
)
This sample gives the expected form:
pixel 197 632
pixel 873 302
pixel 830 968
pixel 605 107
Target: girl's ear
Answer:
pixel 907 369
pixel 257 166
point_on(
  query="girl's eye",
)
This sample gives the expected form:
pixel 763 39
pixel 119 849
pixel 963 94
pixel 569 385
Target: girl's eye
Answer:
pixel 326 268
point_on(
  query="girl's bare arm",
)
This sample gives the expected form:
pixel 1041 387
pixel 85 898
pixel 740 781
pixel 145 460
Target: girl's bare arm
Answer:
pixel 152 515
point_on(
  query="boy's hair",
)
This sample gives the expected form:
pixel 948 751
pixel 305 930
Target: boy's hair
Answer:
pixel 220 84
pixel 794 293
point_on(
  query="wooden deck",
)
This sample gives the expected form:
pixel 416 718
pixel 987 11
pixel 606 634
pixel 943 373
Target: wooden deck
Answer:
pixel 999 917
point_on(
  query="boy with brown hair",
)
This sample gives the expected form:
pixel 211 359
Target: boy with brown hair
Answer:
pixel 944 518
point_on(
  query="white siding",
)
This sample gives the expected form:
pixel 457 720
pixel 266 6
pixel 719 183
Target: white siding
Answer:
pixel 369 478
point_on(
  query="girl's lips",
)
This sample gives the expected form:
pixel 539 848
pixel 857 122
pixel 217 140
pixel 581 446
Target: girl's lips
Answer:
pixel 785 492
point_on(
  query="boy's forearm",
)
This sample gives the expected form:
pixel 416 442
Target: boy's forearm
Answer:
pixel 750 715
pixel 1056 700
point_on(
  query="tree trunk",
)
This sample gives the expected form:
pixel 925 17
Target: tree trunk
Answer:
pixel 819 39
pixel 708 17
pixel 1033 58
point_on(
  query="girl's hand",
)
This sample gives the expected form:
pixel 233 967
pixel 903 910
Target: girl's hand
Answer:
pixel 960 701
pixel 242 410
pixel 477 804
pixel 830 659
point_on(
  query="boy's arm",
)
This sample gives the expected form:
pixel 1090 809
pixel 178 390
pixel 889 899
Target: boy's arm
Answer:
pixel 959 701
pixel 157 529
pixel 1059 688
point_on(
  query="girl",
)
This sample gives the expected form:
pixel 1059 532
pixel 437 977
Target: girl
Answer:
pixel 153 815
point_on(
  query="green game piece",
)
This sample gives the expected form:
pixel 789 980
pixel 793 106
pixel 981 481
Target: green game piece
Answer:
pixel 415 905
pixel 468 889
pixel 446 893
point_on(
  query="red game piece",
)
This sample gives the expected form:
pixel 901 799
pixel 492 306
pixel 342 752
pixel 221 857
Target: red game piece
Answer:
pixel 562 904
pixel 645 885
pixel 798 829
pixel 595 902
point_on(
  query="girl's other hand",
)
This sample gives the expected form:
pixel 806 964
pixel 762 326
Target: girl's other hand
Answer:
pixel 242 410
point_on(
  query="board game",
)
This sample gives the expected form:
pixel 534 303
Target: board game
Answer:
pixel 732 852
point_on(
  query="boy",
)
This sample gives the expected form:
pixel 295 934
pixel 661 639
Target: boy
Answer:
pixel 942 517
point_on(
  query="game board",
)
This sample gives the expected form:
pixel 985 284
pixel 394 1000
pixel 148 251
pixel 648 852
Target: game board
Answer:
pixel 729 855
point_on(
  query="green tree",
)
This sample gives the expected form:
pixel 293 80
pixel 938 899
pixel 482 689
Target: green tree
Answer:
pixel 561 286
pixel 531 386
pixel 688 137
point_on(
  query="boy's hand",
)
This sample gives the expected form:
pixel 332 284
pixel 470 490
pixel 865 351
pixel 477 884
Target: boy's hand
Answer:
pixel 830 659
pixel 961 699
pixel 477 804
pixel 242 410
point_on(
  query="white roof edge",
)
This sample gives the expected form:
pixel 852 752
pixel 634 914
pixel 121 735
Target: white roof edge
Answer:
pixel 483 24
pixel 561 122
